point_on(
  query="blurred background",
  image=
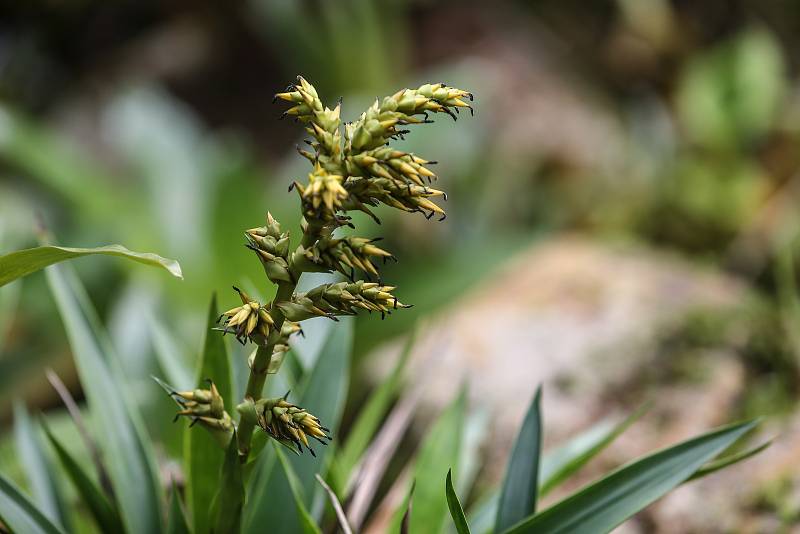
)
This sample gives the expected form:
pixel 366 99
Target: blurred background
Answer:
pixel 623 208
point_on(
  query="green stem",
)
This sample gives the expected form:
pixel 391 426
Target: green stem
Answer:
pixel 258 371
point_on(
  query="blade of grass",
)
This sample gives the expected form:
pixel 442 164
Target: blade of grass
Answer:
pixel 456 511
pixel 24 262
pixel 37 467
pixel 176 522
pixel 20 514
pixel 203 459
pixel 337 506
pixel 561 463
pixel 104 512
pixel 229 500
pixel 307 523
pixel 725 461
pixel 125 448
pixel 369 418
pixel 77 418
pixel 519 493
pixel 606 503
pixel 441 446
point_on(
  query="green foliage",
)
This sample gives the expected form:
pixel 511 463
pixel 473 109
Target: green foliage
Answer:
pixel 20 514
pixel 24 262
pixel 456 511
pixel 521 484
pixel 126 449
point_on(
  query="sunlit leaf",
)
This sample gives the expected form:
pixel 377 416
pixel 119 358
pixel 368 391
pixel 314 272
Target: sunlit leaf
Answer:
pixel 24 262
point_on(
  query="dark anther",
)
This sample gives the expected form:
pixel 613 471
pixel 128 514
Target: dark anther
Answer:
pixel 443 217
pixel 395 303
pixel 194 422
pixel 311 451
pixel 286 396
pixel 283 115
pixel 274 99
pixel 236 289
pixel 444 196
pixel 291 186
pixel 471 97
pixel 471 112
pixel 429 215
pixel 383 316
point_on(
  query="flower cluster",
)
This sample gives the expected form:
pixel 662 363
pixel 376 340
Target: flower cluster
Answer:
pixel 290 424
pixel 354 169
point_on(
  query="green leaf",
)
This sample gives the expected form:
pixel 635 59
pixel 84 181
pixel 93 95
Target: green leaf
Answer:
pixel 171 357
pixel 20 514
pixel 456 511
pixel 123 441
pixel 602 505
pixel 229 501
pixel 367 422
pixel 306 521
pixel 561 463
pixel 323 394
pixel 37 467
pixel 103 511
pixel 203 458
pixel 725 461
pixel 176 522
pixel 520 486
pixel 441 447
pixel 24 262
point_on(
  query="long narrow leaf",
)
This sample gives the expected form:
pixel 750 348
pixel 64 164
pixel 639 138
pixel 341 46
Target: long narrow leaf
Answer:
pixel 520 486
pixel 367 422
pixel 721 463
pixel 176 521
pixel 24 262
pixel 456 511
pixel 337 506
pixel 103 511
pixel 323 394
pixel 20 514
pixel 229 500
pixel 561 463
pixel 126 453
pixel 203 459
pixel 604 504
pixel 37 467
pixel 441 447
pixel 307 523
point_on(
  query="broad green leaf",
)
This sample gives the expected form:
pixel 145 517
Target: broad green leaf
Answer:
pixel 483 514
pixel 103 511
pixel 20 514
pixel 24 262
pixel 456 511
pixel 229 500
pixel 561 463
pixel 440 447
pixel 323 394
pixel 602 505
pixel 367 422
pixel 304 517
pixel 176 522
pixel 203 459
pixel 721 463
pixel 37 467
pixel 521 484
pixel 116 421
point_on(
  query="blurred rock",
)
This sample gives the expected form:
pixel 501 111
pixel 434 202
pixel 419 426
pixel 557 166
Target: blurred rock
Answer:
pixel 586 320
